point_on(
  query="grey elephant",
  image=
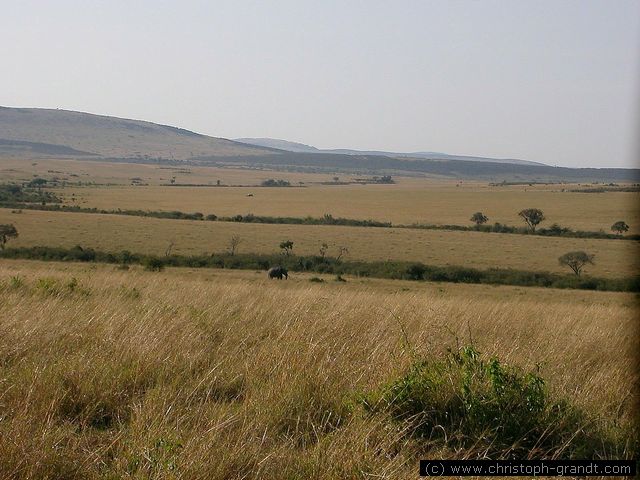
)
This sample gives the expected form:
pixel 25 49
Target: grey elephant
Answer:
pixel 278 272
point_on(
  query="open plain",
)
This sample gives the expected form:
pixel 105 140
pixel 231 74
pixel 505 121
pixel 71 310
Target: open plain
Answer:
pixel 213 374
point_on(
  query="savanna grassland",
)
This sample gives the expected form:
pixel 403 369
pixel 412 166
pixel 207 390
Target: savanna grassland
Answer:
pixel 110 373
pixel 116 371
pixel 410 200
pixel 113 233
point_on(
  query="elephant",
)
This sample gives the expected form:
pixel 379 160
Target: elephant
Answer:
pixel 278 272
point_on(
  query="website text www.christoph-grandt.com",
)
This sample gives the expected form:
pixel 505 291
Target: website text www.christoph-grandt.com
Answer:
pixel 534 468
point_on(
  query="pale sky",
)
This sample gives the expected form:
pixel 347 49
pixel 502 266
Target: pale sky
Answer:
pixel 554 81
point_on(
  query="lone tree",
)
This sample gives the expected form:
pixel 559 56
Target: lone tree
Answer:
pixel 7 231
pixel 532 217
pixel 620 227
pixel 342 251
pixel 576 261
pixel 234 243
pixel 167 252
pixel 287 247
pixel 479 218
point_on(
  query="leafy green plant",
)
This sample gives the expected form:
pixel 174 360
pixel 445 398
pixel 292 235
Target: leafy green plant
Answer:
pixel 16 282
pixel 464 400
pixel 48 286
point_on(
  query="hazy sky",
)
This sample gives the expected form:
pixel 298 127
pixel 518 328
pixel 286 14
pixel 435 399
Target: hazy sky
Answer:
pixel 552 81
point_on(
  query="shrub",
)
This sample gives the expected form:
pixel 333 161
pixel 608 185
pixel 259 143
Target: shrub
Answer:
pixel 464 400
pixel 416 271
pixel 48 286
pixel 275 183
pixel 153 264
pixel 16 282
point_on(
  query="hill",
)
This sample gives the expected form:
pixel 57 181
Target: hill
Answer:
pixel 279 144
pixel 29 131
pixel 378 164
pixel 302 148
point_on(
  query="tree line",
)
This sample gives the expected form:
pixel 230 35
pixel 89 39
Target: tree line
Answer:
pixel 330 265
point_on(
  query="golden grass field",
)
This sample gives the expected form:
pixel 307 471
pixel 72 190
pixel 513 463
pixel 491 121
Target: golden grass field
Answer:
pixel 191 374
pixel 121 173
pixel 411 200
pixel 614 258
pixel 414 201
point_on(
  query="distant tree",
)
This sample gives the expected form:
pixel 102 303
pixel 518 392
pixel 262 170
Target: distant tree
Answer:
pixel 234 243
pixel 323 249
pixel 7 231
pixel 479 218
pixel 328 219
pixel 532 217
pixel 620 227
pixel 342 251
pixel 287 247
pixel 576 261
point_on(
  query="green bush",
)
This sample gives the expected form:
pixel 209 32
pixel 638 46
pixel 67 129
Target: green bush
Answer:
pixel 48 286
pixel 464 400
pixel 153 264
pixel 16 282
pixel 416 271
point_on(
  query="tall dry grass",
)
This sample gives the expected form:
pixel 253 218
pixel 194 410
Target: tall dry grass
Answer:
pixel 131 374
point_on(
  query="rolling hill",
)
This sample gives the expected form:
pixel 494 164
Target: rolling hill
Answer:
pixel 29 131
pixel 302 148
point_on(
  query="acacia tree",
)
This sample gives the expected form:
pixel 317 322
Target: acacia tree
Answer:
pixel 287 247
pixel 7 231
pixel 234 243
pixel 620 227
pixel 479 218
pixel 342 251
pixel 576 261
pixel 532 217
